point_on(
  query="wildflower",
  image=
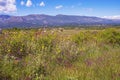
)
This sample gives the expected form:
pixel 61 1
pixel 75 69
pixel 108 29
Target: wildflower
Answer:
pixel 21 49
pixel 58 50
pixel 43 47
pixel 9 50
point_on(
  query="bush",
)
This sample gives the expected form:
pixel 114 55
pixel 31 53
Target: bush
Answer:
pixel 84 37
pixel 111 36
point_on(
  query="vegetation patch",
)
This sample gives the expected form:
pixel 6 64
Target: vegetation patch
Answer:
pixel 60 54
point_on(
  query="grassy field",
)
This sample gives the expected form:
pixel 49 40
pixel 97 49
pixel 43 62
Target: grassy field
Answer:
pixel 60 54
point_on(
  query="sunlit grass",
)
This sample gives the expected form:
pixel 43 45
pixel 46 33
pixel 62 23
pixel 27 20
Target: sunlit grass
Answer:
pixel 60 55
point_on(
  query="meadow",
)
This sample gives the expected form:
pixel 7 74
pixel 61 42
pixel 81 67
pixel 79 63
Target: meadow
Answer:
pixel 60 54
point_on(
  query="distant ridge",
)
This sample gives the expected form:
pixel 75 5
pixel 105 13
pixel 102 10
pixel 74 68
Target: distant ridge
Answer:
pixel 38 20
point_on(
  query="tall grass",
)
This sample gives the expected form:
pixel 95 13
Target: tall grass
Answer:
pixel 36 55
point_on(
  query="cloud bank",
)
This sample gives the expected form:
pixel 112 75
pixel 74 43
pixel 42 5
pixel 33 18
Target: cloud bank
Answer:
pixel 112 17
pixel 7 6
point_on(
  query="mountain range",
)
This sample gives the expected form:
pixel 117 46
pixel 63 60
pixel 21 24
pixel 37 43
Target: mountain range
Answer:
pixel 40 20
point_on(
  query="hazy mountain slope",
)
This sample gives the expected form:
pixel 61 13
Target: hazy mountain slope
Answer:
pixel 7 21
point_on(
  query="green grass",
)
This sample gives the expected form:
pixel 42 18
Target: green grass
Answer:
pixel 68 54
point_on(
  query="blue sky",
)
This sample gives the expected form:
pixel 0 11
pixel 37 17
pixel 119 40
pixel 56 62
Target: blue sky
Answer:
pixel 100 8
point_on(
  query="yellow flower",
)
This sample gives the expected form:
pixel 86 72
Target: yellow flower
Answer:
pixel 32 38
pixel 43 46
pixel 58 50
pixel 21 49
pixel 9 50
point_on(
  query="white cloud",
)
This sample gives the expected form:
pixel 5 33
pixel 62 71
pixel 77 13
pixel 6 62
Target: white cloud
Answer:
pixel 22 3
pixel 29 3
pixel 7 6
pixel 42 4
pixel 112 17
pixel 88 9
pixel 59 7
